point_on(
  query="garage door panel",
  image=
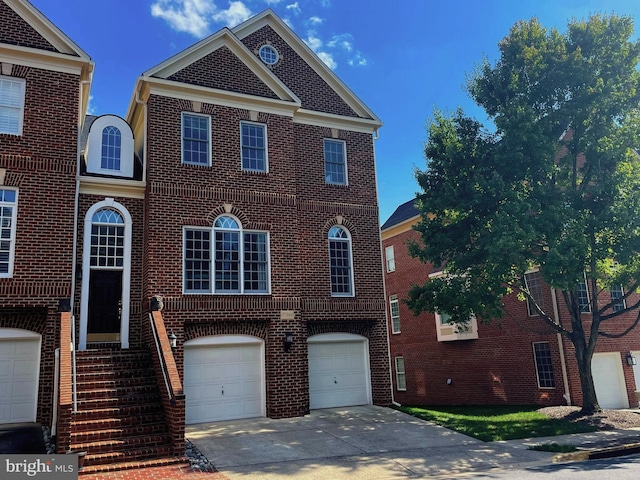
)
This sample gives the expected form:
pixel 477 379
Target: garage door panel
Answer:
pixel 337 374
pixel 608 379
pixel 223 382
pixel 19 370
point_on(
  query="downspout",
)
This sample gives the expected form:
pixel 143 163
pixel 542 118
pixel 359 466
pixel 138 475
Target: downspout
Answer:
pixel 563 363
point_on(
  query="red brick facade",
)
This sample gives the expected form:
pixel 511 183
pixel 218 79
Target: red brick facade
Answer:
pixel 292 202
pixel 496 368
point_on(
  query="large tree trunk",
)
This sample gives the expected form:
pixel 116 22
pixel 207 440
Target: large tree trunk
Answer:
pixel 589 399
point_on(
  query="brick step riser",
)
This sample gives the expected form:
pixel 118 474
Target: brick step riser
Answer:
pixel 97 367
pixel 121 412
pixel 118 433
pixel 114 374
pixel 121 393
pixel 124 421
pixel 101 403
pixel 115 383
pixel 127 465
pixel 121 444
pixel 128 456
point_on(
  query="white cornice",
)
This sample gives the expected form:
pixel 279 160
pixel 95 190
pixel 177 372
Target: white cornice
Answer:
pixel 112 187
pixel 399 228
pixel 355 124
pixel 46 60
pixel 47 29
pixel 168 88
pixel 268 17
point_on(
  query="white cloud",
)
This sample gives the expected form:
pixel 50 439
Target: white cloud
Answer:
pixel 343 41
pixel 91 108
pixel 314 42
pixel 357 60
pixel 188 16
pixel 294 7
pixel 288 21
pixel 237 13
pixel 325 3
pixel 315 20
pixel 327 58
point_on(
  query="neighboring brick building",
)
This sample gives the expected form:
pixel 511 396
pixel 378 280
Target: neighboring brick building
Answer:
pixel 44 85
pixel 233 210
pixel 515 360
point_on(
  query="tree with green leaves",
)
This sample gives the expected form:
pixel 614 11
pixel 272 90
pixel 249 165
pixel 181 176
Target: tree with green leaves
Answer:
pixel 553 184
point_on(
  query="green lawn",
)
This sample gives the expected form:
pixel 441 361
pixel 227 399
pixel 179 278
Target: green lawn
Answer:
pixel 496 422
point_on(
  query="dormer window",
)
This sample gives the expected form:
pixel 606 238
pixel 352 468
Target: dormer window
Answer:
pixel 111 148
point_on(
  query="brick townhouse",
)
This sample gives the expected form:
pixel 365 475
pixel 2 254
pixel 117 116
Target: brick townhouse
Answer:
pixel 216 252
pixel 515 360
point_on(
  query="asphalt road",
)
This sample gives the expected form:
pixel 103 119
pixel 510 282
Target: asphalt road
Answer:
pixel 620 468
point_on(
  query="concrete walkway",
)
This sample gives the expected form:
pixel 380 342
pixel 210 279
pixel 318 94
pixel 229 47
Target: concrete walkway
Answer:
pixel 350 443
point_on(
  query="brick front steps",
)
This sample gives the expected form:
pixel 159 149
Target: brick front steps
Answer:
pixel 120 421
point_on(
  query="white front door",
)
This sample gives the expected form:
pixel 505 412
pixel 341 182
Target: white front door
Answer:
pixel 223 381
pixel 339 373
pixel 19 372
pixel 608 379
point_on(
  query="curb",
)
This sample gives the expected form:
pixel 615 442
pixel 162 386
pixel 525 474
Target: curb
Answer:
pixel 594 454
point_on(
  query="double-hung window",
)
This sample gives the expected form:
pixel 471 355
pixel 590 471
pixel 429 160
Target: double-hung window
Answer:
pixel 335 162
pixel 226 259
pixel 253 140
pixel 340 262
pixel 617 302
pixel 401 376
pixel 544 365
pixel 196 139
pixel 8 215
pixel 533 282
pixel 394 310
pixel 11 105
pixel 582 295
pixel 390 260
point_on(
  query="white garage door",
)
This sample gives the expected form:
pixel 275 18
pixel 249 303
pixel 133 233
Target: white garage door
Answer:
pixel 223 378
pixel 338 371
pixel 19 368
pixel 608 378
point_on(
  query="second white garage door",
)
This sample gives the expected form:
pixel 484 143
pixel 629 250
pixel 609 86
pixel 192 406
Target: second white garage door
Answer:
pixel 339 374
pixel 223 378
pixel 19 370
pixel 608 377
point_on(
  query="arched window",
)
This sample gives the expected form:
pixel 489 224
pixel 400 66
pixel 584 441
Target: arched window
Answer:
pixel 238 258
pixel 111 148
pixel 107 239
pixel 340 262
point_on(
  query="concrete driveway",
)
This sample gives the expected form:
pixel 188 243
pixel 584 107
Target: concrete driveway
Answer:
pixel 366 442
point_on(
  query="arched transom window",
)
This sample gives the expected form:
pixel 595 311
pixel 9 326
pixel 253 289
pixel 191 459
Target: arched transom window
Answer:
pixel 111 148
pixel 107 239
pixel 340 262
pixel 226 259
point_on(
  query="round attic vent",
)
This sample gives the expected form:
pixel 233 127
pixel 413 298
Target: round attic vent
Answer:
pixel 269 55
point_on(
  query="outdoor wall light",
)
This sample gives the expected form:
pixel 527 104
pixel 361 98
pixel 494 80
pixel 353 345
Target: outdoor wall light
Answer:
pixel 631 359
pixel 173 340
pixel 288 341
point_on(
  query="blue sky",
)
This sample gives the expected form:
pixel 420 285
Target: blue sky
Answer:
pixel 402 58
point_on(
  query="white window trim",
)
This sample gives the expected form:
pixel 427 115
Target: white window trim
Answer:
pixel 351 270
pixel 93 149
pixel 197 164
pixel 86 271
pixel 390 259
pixel 393 299
pixel 14 228
pixel 266 148
pixel 23 84
pixel 535 362
pixel 212 290
pixel 529 310
pixel 344 154
pixel 398 373
pixel 622 300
